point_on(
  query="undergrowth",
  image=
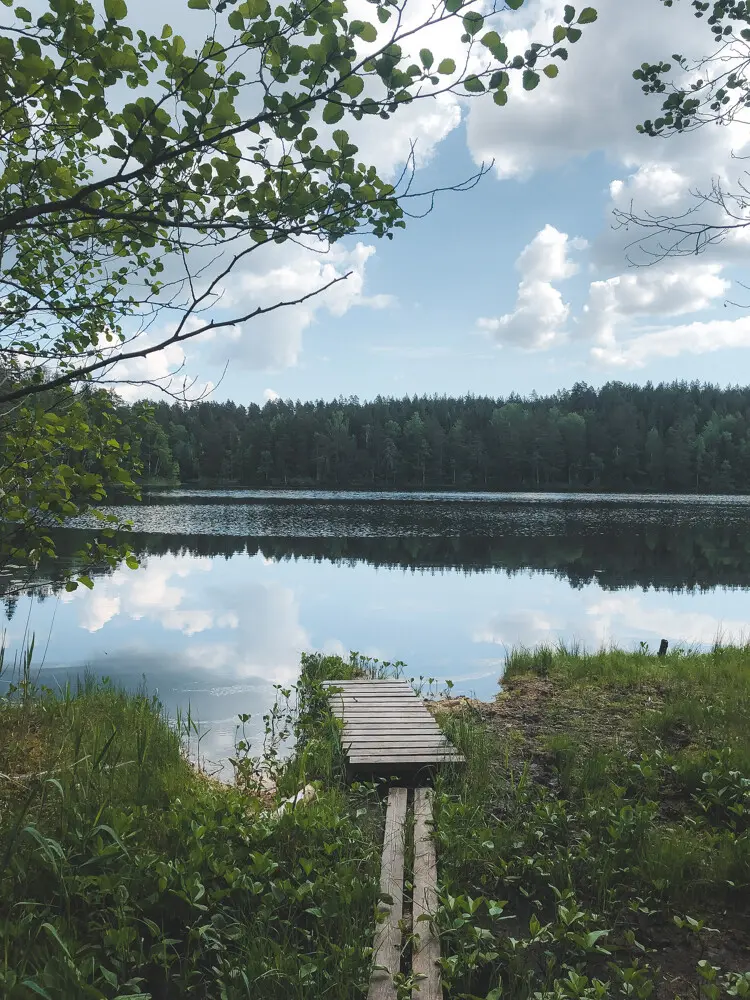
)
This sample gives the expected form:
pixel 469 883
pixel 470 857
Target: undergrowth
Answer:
pixel 583 857
pixel 125 873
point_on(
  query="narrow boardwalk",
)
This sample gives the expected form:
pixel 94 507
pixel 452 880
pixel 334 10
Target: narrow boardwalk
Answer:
pixel 387 729
pixel 386 958
pixel 426 947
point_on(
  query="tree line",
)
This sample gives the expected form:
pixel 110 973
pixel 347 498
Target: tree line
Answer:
pixel 678 437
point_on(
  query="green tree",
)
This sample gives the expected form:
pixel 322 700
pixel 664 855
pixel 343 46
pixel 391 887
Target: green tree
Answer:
pixel 137 173
pixel 654 454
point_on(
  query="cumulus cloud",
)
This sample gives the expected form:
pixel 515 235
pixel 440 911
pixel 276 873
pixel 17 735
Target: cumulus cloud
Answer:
pixel 669 342
pixel 540 314
pixel 663 291
pixel 594 104
pixel 253 631
pixel 273 341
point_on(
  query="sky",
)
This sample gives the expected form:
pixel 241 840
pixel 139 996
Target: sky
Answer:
pixel 523 283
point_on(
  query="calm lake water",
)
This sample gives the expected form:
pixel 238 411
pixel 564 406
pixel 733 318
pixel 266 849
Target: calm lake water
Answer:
pixel 234 585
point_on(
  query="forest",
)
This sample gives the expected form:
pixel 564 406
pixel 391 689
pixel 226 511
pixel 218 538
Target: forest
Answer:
pixel 678 437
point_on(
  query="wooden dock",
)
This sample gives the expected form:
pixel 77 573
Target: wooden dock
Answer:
pixel 387 729
pixel 388 732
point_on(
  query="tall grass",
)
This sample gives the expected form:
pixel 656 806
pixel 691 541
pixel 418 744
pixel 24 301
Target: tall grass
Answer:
pixel 125 873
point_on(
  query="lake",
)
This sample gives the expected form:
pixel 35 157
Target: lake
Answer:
pixel 234 585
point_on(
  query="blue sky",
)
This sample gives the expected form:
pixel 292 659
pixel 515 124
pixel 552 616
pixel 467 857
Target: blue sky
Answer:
pixel 522 283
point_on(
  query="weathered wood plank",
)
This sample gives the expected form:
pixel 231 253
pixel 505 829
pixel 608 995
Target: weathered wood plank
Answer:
pixel 367 708
pixel 410 759
pixel 385 725
pixel 426 948
pixel 357 712
pixel 387 943
pixel 395 739
pixel 374 727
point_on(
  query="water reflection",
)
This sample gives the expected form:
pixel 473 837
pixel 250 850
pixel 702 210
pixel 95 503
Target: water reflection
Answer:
pixel 215 617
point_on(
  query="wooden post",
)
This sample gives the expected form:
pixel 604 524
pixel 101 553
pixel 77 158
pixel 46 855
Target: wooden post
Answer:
pixel 387 944
pixel 663 647
pixel 427 947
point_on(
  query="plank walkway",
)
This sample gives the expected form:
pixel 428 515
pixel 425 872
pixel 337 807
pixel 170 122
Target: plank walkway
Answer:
pixel 388 941
pixel 387 729
pixel 426 947
pixel 386 958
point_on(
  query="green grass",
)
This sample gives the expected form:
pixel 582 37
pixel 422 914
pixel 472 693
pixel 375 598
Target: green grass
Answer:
pixel 125 873
pixel 598 842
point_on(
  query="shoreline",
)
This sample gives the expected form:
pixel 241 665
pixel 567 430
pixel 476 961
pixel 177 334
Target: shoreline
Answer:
pixel 600 829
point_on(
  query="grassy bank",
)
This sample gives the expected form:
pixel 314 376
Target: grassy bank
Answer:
pixel 127 874
pixel 598 843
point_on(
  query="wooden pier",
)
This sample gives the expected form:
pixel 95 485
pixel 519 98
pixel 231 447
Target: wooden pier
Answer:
pixel 387 729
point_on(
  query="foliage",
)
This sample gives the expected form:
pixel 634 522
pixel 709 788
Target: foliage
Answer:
pixel 61 455
pixel 678 437
pixel 127 873
pixel 137 172
pixel 592 859
pixel 221 147
pixel 713 89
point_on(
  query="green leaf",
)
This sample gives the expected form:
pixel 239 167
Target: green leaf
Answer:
pixel 570 13
pixel 70 586
pixel 515 4
pixel 446 66
pixel 352 86
pixel 36 988
pixel 368 32
pixel 495 44
pixel 115 10
pixel 587 16
pixel 333 113
pixel 86 581
pixel 427 58
pixel 574 34
pixel 500 97
pixel 71 101
pixel 473 85
pixel 199 4
pixel 473 22
pixel 558 34
pixel 551 71
pixel 530 79
pixel 131 562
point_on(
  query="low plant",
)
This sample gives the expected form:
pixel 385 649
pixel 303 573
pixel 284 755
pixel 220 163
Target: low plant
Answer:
pixel 124 872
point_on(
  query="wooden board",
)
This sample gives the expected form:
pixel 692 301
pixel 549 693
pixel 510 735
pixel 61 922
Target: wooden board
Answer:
pixel 387 729
pixel 426 947
pixel 387 942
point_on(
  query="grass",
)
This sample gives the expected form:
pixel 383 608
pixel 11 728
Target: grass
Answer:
pixel 126 873
pixel 598 843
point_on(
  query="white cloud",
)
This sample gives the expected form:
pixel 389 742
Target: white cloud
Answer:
pixel 613 614
pixel 273 341
pixel 677 290
pixel 595 104
pixel 546 258
pixel 540 314
pixel 269 395
pixel 669 342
